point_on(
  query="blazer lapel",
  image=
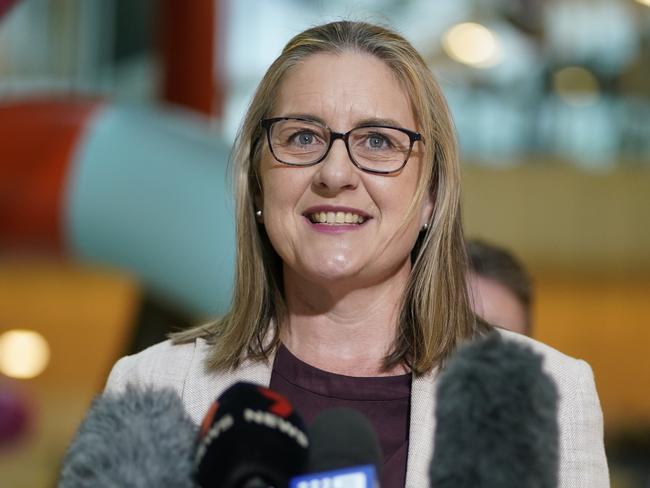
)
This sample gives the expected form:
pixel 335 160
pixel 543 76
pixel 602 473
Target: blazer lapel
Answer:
pixel 202 387
pixel 421 430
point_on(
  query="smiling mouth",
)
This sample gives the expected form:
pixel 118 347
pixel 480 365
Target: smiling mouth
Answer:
pixel 336 218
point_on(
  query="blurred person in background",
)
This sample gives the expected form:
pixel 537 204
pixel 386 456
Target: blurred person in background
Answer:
pixel 500 287
pixel 350 287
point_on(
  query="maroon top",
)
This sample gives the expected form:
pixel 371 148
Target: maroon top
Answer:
pixel 385 401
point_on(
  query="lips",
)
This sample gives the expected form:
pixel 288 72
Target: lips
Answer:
pixel 336 216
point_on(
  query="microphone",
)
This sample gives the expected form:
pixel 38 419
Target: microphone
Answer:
pixel 250 438
pixel 344 452
pixel 496 419
pixel 340 438
pixel 139 438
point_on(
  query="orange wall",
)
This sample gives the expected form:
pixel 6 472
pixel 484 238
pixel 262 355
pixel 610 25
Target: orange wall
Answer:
pixel 605 321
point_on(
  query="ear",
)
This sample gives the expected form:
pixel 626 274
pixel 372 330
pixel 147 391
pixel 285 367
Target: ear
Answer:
pixel 428 204
pixel 258 202
pixel 258 198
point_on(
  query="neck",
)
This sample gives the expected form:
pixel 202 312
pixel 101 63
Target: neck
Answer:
pixel 341 328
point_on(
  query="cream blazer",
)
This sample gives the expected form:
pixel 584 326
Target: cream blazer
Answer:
pixel 582 454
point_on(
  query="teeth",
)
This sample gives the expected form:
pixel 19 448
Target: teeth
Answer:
pixel 336 218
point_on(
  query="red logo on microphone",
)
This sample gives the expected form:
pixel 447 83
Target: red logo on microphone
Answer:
pixel 209 417
pixel 281 407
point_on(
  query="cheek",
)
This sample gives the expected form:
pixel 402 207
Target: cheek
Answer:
pixel 396 199
pixel 275 221
pixel 275 210
pixel 283 189
pixel 393 197
pixel 272 188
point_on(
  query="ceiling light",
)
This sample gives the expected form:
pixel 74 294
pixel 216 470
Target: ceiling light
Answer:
pixel 23 353
pixel 576 86
pixel 472 44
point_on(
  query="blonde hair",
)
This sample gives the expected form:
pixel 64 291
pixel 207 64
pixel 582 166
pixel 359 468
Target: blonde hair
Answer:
pixel 435 312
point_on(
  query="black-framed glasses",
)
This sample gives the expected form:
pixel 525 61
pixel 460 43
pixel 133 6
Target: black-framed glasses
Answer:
pixel 378 149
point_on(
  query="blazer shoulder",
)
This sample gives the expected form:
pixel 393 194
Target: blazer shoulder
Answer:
pixel 162 365
pixel 573 377
pixel 562 367
pixel 184 369
pixel 580 419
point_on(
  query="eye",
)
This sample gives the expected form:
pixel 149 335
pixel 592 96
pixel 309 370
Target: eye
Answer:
pixel 297 135
pixel 303 138
pixel 377 141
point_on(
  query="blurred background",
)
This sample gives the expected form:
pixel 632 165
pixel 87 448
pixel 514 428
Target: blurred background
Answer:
pixel 116 219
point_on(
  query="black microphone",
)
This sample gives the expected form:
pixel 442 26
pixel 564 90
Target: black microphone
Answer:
pixel 251 438
pixel 140 438
pixel 496 419
pixel 341 438
pixel 344 451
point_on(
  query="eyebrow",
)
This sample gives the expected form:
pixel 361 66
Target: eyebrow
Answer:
pixel 360 123
pixel 377 121
pixel 311 117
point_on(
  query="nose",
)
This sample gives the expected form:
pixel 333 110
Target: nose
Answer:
pixel 336 172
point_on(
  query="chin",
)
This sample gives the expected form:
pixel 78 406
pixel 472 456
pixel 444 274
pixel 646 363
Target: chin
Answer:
pixel 329 271
pixel 335 273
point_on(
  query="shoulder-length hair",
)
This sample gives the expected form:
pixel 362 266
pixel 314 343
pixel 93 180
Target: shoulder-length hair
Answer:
pixel 435 312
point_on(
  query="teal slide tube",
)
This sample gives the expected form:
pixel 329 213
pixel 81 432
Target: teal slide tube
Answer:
pixel 148 192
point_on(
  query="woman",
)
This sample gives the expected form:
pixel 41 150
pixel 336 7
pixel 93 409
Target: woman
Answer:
pixel 350 285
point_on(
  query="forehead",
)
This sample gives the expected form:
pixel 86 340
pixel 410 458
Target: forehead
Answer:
pixel 344 90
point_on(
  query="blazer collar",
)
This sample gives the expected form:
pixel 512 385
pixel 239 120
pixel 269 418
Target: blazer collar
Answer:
pixel 422 426
pixel 202 387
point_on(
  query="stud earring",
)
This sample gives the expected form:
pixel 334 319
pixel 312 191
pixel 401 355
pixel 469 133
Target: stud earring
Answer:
pixel 425 227
pixel 258 214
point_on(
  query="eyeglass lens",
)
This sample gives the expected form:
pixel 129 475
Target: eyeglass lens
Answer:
pixel 299 142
